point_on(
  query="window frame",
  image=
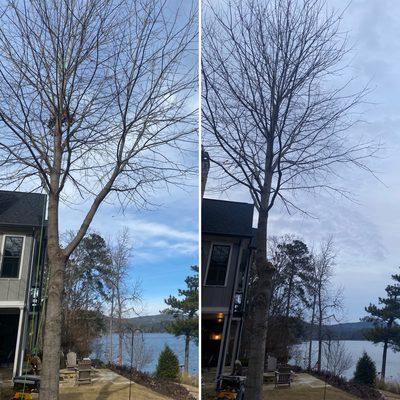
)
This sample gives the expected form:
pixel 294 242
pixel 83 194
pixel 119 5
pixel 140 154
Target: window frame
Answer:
pixel 21 257
pixel 230 245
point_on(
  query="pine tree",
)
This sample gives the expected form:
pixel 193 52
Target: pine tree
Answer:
pixel 291 286
pixel 365 372
pixel 184 310
pixel 168 365
pixel 386 330
pixel 85 290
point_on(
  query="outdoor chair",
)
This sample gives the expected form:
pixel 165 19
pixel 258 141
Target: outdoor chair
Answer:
pixel 71 360
pixel 84 372
pixel 29 382
pixel 283 377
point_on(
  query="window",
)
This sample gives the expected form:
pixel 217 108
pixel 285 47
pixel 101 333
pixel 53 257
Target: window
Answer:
pixel 12 252
pixel 237 306
pixel 218 265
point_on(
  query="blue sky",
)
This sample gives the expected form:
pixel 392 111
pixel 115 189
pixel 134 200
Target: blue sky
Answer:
pixel 164 240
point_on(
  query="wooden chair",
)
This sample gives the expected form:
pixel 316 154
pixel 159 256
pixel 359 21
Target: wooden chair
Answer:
pixel 283 377
pixel 84 372
pixel 71 360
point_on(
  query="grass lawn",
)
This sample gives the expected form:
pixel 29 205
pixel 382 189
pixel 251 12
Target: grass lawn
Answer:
pixel 304 387
pixel 108 386
pixel 307 394
pixel 108 391
pixel 298 394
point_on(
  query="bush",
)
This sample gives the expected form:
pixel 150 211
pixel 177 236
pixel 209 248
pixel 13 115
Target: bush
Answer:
pixel 168 365
pixel 365 373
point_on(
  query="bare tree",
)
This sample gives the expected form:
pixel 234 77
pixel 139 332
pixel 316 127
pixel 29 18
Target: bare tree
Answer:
pixel 142 354
pixel 126 293
pixel 93 104
pixel 313 295
pixel 328 303
pixel 338 359
pixel 273 119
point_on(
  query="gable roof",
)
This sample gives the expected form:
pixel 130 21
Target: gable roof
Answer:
pixel 230 218
pixel 21 209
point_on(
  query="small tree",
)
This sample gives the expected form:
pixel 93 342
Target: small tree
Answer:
pixel 168 364
pixel 338 360
pixel 125 297
pixel 365 371
pixel 142 354
pixel 326 303
pixel 185 310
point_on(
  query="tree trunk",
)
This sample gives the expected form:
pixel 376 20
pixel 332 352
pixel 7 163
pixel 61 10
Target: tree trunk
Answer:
pixel 120 338
pixel 120 333
pixel 186 363
pixel 289 297
pixel 385 347
pixel 384 355
pixel 311 334
pixel 110 354
pixel 319 362
pixel 52 326
pixel 285 339
pixel 258 311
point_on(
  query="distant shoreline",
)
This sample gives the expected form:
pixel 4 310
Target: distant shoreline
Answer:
pixel 147 323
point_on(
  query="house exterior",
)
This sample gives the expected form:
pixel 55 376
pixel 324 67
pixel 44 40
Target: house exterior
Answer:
pixel 22 254
pixel 227 253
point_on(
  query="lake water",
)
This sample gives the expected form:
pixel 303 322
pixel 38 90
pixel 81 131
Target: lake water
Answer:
pixel 154 343
pixel 355 348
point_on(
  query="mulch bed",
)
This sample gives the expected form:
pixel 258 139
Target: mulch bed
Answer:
pixel 164 387
pixel 362 391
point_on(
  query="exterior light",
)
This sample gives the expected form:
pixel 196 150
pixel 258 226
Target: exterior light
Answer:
pixel 220 317
pixel 216 336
